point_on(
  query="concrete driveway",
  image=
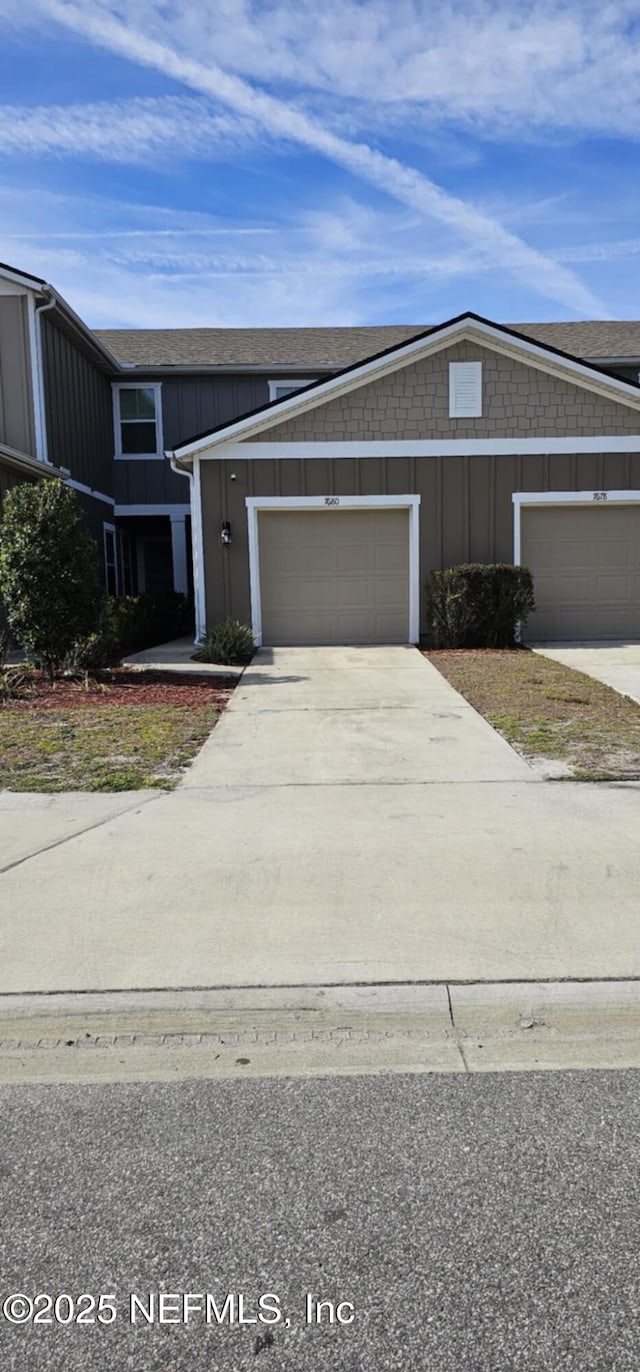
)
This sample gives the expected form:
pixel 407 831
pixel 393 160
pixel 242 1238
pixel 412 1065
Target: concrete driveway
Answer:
pixel 351 819
pixel 614 663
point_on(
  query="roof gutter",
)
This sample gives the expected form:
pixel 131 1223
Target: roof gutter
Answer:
pixel 22 462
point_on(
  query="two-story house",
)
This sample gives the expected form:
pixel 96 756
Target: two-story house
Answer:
pixel 332 467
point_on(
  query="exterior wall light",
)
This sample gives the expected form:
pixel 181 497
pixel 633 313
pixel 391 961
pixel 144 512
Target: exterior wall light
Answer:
pixel 225 532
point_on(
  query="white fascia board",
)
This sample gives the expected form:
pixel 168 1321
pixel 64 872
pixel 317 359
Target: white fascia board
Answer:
pixel 88 490
pixel 424 447
pixel 30 283
pixel 12 457
pixel 467 329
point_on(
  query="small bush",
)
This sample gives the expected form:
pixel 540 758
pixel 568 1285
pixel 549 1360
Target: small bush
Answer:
pixel 49 571
pixel 228 642
pixel 14 684
pixel 478 605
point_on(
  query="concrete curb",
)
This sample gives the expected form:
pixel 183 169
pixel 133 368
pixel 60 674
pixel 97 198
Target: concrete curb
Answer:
pixel 444 1006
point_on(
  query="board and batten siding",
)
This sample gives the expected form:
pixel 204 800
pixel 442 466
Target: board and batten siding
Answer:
pixel 466 509
pixel 79 408
pixel 518 401
pixel 149 483
pixel 17 427
pixel 195 404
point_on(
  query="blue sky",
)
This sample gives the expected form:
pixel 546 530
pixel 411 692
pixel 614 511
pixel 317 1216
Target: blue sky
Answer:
pixel 236 162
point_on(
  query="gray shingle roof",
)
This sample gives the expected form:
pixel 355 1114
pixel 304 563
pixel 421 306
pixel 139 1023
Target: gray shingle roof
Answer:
pixel 280 350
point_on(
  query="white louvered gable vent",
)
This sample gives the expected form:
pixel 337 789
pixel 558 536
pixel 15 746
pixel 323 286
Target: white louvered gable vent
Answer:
pixel 465 390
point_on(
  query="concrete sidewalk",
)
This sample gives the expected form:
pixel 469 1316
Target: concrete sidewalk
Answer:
pixel 615 664
pixel 350 820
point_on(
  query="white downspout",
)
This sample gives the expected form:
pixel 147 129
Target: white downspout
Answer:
pixel 42 448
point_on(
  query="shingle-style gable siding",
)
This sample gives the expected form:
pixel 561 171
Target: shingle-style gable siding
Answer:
pixel 413 402
pixel 79 410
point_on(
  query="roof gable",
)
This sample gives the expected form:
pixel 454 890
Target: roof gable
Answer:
pixel 467 327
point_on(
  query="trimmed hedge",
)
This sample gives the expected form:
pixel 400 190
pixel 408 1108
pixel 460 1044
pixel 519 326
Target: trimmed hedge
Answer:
pixel 478 604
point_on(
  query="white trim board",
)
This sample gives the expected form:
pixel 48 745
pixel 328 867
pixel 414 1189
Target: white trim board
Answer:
pixel 467 329
pixel 331 503
pixel 88 490
pixel 197 554
pixel 132 510
pixel 421 447
pixel 539 498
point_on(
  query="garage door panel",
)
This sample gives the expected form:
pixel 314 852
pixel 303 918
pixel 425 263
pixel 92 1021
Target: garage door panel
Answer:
pixel 585 562
pixel 334 576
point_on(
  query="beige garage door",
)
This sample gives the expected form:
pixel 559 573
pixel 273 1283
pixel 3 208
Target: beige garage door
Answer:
pixel 586 566
pixel 334 576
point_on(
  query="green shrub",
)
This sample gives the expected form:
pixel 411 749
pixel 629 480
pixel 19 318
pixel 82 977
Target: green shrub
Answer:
pixel 49 571
pixel 227 642
pixel 135 622
pixel 128 624
pixel 478 604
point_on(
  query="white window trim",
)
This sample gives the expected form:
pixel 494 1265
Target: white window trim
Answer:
pixel 296 383
pixel 346 502
pixel 533 498
pixel 156 387
pixel 111 528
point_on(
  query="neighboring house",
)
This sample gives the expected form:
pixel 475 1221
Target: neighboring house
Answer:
pixel 341 463
pixel 318 516
pixel 56 403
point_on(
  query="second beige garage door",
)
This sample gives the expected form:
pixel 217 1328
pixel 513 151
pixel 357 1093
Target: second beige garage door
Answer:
pixel 334 576
pixel 585 561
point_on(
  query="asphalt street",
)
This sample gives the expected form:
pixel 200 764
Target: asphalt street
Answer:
pixel 475 1222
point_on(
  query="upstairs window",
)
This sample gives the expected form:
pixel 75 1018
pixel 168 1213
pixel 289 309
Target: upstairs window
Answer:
pixel 278 389
pixel 465 390
pixel 138 421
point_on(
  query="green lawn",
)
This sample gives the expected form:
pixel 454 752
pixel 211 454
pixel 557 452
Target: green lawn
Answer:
pixel 104 748
pixel 548 711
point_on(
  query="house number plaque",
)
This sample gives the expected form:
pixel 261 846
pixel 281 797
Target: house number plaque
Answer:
pixel 332 500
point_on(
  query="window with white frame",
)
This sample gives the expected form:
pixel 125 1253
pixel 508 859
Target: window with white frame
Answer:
pixel 111 577
pixel 138 421
pixel 465 390
pixel 278 389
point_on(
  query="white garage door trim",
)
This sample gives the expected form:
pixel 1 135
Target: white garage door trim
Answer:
pixel 334 502
pixel 533 498
pixel 521 498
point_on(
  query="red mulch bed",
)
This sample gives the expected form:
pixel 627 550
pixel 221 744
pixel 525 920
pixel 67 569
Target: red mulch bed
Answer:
pixel 123 687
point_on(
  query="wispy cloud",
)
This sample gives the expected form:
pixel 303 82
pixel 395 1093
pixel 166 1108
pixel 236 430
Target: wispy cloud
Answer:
pixel 487 64
pixel 123 131
pixel 332 265
pixel 103 24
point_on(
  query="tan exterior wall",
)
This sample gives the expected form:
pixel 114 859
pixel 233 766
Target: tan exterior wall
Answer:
pixel 413 402
pixel 16 399
pixel 466 510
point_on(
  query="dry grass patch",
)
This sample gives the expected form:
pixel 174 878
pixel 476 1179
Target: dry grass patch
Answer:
pixel 126 732
pixel 547 711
